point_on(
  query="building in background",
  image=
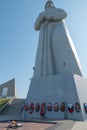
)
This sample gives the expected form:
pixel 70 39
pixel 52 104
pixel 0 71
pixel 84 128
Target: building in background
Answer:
pixel 8 89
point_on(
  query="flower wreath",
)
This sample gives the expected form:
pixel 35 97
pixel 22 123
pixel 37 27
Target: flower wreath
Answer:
pixel 43 109
pixel 31 108
pixel 62 107
pixel 77 107
pixel 85 107
pixel 56 107
pixel 37 107
pixel 49 107
pixel 70 108
pixel 26 107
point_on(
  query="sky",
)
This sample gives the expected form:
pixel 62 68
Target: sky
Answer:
pixel 19 40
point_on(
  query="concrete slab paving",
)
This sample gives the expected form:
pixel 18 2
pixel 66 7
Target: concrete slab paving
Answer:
pixel 27 126
pixel 58 125
pixel 63 125
pixel 80 126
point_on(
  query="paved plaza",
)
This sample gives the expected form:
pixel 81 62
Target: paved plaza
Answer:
pixel 27 126
pixel 58 125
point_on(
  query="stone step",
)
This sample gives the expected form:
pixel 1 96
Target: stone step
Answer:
pixel 14 108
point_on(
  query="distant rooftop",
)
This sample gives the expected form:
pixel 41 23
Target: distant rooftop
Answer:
pixel 7 89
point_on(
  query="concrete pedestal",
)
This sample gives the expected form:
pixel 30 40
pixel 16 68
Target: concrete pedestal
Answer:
pixel 66 88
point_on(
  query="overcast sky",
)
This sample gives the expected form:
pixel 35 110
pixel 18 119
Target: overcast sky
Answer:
pixel 19 40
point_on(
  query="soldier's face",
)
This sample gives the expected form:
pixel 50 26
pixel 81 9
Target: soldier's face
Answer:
pixel 49 4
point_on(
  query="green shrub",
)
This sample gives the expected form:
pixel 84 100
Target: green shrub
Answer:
pixel 3 101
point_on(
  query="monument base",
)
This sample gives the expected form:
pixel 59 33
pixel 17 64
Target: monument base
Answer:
pixel 65 88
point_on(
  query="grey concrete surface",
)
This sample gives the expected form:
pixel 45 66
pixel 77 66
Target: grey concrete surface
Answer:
pixel 60 125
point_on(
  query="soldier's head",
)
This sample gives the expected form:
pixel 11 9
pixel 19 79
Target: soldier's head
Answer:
pixel 49 3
